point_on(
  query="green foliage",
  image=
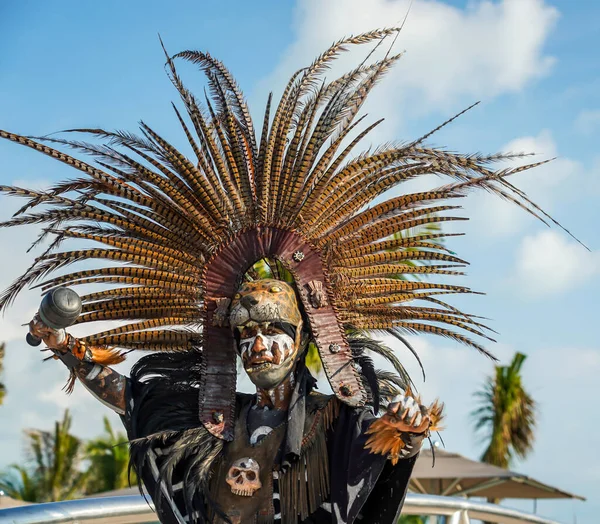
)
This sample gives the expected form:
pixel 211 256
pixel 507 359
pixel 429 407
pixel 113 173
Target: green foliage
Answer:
pixel 54 467
pixel 109 460
pixel 313 360
pixel 52 471
pixel 270 268
pixel 412 519
pixel 19 484
pixel 2 387
pixel 506 415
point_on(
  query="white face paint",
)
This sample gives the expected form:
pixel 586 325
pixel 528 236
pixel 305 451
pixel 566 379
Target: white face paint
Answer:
pixel 268 354
pixel 284 342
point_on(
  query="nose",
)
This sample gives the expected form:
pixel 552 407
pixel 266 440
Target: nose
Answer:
pixel 248 301
pixel 258 345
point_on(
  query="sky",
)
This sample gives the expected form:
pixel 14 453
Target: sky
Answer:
pixel 531 63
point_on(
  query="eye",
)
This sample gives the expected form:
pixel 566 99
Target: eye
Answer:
pixel 247 331
pixel 275 289
pixel 237 296
pixel 235 472
pixel 251 475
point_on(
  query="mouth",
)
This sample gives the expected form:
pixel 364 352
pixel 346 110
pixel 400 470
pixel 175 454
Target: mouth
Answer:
pixel 259 366
pixel 259 362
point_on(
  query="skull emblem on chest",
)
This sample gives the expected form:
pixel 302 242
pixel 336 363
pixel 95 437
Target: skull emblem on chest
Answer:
pixel 243 477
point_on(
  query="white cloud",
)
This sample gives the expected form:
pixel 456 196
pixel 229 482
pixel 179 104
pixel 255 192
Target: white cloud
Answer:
pixel 34 388
pixel 548 264
pixel 545 185
pixel 588 121
pixel 453 56
pixel 483 50
pixel 562 380
pixel 15 261
pixel 453 373
pixel 35 400
pixel 18 240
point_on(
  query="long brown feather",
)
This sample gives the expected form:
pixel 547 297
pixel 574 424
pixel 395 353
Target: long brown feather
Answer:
pixel 162 216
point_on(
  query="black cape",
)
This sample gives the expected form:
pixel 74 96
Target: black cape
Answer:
pixel 173 453
pixel 364 487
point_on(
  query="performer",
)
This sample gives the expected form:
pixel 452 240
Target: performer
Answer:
pixel 263 251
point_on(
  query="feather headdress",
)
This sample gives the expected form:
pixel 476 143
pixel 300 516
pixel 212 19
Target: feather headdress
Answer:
pixel 183 231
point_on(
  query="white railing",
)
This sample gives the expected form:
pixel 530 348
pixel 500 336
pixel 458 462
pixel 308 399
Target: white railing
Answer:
pixel 457 511
pixel 461 511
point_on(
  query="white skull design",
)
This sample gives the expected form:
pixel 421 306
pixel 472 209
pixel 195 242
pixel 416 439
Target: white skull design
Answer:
pixel 243 477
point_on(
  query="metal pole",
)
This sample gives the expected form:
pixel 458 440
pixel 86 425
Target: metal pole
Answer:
pixel 78 510
pixel 460 517
pixel 458 511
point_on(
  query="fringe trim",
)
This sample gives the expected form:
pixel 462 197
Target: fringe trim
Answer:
pixel 305 485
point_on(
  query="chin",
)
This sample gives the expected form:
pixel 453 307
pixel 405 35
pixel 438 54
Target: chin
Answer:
pixel 269 377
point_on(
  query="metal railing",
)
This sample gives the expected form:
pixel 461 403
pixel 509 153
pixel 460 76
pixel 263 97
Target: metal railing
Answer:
pixel 461 511
pixel 456 510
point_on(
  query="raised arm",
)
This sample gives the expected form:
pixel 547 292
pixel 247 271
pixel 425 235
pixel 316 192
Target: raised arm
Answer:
pixel 107 385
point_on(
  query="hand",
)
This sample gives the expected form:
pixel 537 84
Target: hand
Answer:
pixel 398 434
pixel 407 415
pixel 53 338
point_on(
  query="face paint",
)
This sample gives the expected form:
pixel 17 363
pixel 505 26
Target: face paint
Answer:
pixel 267 358
pixel 266 318
pixel 276 346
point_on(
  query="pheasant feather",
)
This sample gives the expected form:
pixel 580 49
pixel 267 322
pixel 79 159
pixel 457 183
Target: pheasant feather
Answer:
pixel 173 224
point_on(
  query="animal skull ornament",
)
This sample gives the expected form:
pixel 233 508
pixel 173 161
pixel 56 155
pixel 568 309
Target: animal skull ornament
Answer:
pixel 243 477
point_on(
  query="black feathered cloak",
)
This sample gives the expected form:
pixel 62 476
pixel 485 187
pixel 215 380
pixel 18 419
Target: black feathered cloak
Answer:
pixel 169 443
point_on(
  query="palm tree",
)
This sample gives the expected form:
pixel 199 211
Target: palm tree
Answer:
pixel 109 461
pixel 506 415
pixel 53 466
pixel 2 387
pixel 19 484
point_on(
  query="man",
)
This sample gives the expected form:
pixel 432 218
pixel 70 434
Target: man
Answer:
pixel 285 463
pixel 263 250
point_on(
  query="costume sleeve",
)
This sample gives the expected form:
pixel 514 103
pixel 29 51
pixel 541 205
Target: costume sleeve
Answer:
pixel 104 383
pixel 363 483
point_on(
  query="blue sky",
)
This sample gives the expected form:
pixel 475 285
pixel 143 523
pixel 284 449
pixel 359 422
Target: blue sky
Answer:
pixel 532 63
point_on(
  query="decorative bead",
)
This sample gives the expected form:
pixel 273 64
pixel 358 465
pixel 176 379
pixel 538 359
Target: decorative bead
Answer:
pixel 346 390
pixel 334 348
